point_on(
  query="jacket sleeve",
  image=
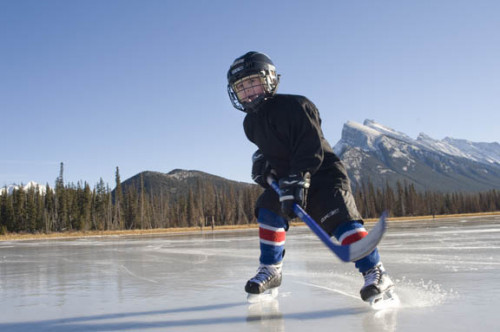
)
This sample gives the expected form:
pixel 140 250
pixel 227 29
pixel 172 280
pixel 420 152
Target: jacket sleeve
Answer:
pixel 305 137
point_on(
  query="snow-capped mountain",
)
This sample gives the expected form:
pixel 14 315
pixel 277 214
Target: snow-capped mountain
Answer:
pixel 486 152
pixel 10 188
pixel 372 151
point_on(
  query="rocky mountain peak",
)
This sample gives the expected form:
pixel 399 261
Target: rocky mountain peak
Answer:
pixel 384 155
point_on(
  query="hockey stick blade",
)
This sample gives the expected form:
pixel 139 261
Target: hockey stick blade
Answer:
pixel 346 253
pixel 366 245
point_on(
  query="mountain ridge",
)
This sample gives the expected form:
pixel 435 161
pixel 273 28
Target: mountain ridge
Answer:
pixel 178 182
pixel 372 151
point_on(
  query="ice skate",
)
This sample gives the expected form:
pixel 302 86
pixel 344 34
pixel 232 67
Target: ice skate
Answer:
pixel 378 289
pixel 264 285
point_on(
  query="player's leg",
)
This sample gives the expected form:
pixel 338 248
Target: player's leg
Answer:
pixel 272 234
pixel 335 210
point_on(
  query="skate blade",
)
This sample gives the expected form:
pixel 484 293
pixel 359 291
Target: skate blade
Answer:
pixel 387 300
pixel 268 295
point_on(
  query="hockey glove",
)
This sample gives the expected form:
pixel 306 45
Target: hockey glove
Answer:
pixel 293 189
pixel 260 169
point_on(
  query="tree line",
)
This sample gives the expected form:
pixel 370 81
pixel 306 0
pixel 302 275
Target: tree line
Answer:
pixel 70 207
pixel 405 200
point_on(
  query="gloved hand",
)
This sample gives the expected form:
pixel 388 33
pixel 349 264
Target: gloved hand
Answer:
pixel 260 169
pixel 293 189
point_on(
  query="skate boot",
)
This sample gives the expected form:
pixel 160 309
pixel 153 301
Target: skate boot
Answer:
pixel 264 285
pixel 378 287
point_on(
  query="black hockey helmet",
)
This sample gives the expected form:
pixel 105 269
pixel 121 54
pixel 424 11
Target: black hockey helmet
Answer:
pixel 251 65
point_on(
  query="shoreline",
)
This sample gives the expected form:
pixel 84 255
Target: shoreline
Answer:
pixel 183 230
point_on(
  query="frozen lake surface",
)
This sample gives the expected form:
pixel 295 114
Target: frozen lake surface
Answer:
pixel 447 274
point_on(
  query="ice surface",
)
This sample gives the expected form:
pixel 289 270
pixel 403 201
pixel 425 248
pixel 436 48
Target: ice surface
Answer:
pixel 446 273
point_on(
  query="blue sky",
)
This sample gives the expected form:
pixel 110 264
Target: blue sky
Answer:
pixel 142 84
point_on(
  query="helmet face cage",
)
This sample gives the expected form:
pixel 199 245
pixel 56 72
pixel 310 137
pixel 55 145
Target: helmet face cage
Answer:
pixel 251 65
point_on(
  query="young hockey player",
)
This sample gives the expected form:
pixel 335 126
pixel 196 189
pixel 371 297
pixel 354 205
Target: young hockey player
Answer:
pixel 291 147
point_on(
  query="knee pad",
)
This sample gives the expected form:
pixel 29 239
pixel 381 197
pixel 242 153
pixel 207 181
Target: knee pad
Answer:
pixel 269 218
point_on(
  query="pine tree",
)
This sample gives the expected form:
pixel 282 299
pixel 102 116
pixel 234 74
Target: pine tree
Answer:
pixel 191 210
pixel 40 203
pixel 6 213
pixel 61 201
pixel 400 208
pixel 18 201
pixel 31 211
pixel 131 208
pixel 84 199
pixel 50 210
pixel 141 201
pixel 118 213
pixel 101 206
pixel 389 200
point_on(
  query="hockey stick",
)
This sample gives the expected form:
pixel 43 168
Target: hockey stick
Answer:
pixel 347 253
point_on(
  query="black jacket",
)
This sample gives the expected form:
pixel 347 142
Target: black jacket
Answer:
pixel 287 129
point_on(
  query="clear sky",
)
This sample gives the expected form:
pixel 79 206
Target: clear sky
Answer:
pixel 141 84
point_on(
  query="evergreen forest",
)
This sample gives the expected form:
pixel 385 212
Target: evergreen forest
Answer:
pixel 70 207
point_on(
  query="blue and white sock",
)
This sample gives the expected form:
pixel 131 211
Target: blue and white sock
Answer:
pixel 272 235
